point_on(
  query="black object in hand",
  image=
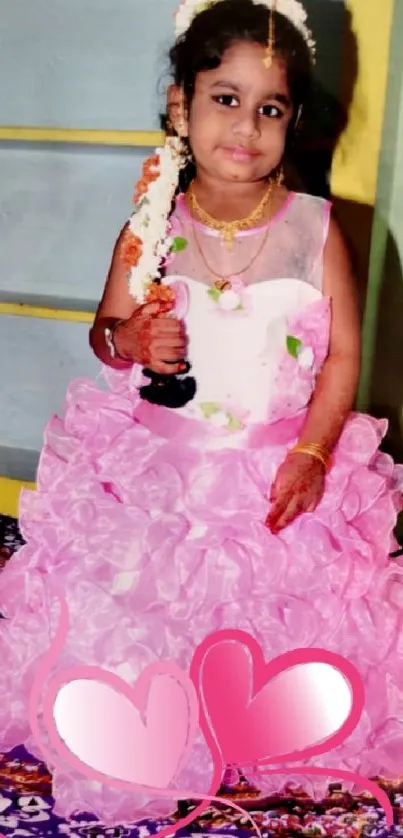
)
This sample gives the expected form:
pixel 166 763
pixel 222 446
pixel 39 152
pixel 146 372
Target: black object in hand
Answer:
pixel 169 390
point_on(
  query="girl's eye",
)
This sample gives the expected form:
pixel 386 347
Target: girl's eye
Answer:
pixel 226 99
pixel 271 111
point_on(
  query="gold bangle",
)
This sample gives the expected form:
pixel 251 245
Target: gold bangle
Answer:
pixel 312 449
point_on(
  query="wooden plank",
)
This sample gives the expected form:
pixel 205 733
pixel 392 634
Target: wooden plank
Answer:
pixel 77 136
pixel 23 310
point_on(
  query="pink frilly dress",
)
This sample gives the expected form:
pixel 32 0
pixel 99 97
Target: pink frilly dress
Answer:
pixel 151 521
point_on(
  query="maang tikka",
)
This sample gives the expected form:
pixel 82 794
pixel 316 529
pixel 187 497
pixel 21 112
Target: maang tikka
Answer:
pixel 270 49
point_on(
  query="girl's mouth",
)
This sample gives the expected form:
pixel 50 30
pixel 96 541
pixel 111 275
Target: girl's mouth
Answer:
pixel 239 154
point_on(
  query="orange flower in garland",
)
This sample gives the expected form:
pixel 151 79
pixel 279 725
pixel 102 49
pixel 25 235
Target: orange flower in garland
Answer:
pixel 150 173
pixel 132 250
pixel 160 293
pixel 149 221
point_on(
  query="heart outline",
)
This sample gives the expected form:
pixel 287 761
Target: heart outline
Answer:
pixel 137 695
pixel 262 673
pixel 42 673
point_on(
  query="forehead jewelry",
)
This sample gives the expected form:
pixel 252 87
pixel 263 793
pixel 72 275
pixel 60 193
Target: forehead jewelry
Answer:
pixel 270 49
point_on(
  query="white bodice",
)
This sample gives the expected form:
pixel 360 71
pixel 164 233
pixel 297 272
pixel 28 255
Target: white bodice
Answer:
pixel 236 355
pixel 258 363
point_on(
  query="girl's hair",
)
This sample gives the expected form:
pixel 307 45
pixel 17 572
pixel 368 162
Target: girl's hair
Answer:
pixel 219 26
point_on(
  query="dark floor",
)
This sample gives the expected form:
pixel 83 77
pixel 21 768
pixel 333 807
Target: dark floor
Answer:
pixel 10 538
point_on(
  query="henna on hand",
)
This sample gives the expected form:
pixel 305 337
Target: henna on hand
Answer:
pixel 153 338
pixel 298 488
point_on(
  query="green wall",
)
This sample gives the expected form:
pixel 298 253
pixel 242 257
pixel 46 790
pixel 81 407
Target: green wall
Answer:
pixel 382 376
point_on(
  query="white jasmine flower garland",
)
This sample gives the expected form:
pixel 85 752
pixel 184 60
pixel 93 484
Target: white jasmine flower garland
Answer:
pixel 149 222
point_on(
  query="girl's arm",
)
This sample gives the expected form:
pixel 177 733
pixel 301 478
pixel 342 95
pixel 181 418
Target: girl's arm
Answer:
pixel 336 386
pixel 300 481
pixel 142 334
pixel 116 305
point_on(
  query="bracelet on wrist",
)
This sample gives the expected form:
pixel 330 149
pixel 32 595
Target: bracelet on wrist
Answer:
pixel 109 333
pixel 317 452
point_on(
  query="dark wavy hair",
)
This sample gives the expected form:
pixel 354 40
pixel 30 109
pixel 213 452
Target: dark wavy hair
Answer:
pixel 219 26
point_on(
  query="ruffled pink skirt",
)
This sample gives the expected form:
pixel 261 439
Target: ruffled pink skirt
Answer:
pixel 155 543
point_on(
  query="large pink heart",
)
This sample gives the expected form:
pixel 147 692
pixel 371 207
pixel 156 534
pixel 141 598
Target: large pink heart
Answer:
pixel 107 729
pixel 300 704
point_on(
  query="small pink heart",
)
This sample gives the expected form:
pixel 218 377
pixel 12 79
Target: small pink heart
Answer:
pixel 303 703
pixel 105 728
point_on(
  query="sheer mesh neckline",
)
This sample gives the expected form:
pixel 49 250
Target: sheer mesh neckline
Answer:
pixel 183 209
pixel 289 246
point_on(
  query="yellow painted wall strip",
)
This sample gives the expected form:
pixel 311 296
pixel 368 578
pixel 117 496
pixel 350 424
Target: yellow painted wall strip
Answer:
pixel 9 495
pixel 141 139
pixel 22 310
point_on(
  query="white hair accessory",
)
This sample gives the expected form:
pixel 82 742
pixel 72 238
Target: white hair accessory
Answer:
pixel 291 9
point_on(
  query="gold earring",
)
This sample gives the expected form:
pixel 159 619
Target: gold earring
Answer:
pixel 278 180
pixel 182 113
pixel 299 116
pixel 270 49
pixel 280 177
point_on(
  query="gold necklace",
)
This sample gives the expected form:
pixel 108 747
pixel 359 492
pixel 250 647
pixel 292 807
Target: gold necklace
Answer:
pixel 222 281
pixel 229 229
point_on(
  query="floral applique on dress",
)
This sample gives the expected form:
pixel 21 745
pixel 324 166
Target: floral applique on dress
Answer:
pixel 222 416
pixel 305 348
pixel 302 352
pixel 229 295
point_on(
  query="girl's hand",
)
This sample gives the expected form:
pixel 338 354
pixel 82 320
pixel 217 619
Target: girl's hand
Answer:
pixel 154 339
pixel 298 487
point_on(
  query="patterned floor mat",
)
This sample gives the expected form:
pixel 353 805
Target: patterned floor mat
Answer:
pixel 26 804
pixel 26 809
pixel 10 538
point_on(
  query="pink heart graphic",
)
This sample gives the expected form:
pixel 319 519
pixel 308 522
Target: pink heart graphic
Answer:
pixel 301 704
pixel 106 729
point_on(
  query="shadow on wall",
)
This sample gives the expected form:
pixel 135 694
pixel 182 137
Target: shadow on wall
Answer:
pixel 386 396
pixel 336 72
pixel 336 75
pixel 327 121
pixel 387 382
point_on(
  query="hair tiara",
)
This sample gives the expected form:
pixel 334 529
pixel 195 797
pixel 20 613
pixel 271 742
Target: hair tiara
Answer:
pixel 291 9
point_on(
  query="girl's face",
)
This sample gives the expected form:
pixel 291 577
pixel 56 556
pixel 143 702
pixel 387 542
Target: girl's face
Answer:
pixel 239 116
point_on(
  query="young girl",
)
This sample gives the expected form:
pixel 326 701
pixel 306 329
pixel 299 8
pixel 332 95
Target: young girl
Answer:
pixel 222 480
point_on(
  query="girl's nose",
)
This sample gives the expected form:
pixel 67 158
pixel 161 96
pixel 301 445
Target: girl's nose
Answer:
pixel 246 125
